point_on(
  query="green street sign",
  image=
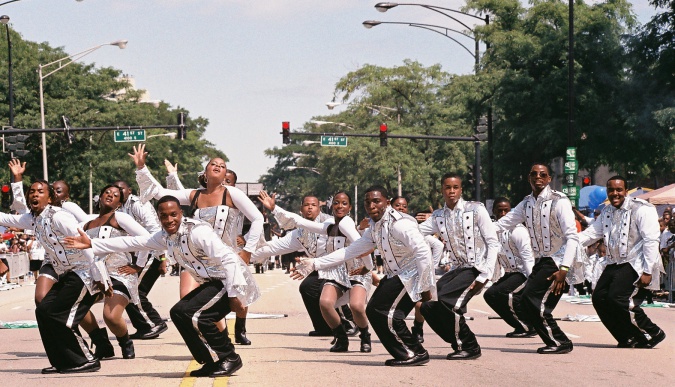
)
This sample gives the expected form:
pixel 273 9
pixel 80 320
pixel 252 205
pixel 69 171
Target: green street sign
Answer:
pixel 570 178
pixel 571 154
pixel 129 135
pixel 571 166
pixel 333 141
pixel 572 192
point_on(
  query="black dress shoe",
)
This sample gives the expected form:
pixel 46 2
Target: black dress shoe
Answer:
pixel 630 343
pixel 205 370
pixel 659 337
pixel 520 333
pixel 227 367
pixel 562 348
pixel 465 354
pixel 240 338
pixel 416 360
pixel 90 366
pixel 153 333
pixel 320 333
pixel 50 370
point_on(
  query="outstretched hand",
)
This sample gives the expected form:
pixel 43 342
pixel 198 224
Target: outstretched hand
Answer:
pixel 80 242
pixel 170 168
pixel 17 168
pixel 558 284
pixel 267 200
pixel 139 156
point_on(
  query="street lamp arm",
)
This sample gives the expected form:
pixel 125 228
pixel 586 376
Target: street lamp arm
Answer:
pixel 7 2
pixel 383 7
pixel 75 57
pixel 430 27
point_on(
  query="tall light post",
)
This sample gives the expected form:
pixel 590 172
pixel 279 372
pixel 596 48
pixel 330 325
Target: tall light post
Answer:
pixel 385 6
pixel 4 19
pixel 68 60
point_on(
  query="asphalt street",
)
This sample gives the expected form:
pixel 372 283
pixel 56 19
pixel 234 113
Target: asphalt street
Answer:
pixel 283 354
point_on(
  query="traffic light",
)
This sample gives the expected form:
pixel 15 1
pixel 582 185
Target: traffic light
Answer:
pixel 66 127
pixel 16 145
pixel 6 189
pixel 586 181
pixel 471 176
pixel 383 135
pixel 286 132
pixel 182 129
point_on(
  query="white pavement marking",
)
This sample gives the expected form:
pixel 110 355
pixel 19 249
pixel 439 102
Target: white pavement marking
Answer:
pixel 480 311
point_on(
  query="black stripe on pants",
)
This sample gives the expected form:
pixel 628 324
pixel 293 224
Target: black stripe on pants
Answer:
pixel 58 317
pixel 538 301
pixel 618 301
pixel 310 290
pixel 195 316
pixel 446 316
pixel 145 319
pixel 386 311
pixel 504 300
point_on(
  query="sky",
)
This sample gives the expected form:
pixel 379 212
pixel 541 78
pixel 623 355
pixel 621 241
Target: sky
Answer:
pixel 245 65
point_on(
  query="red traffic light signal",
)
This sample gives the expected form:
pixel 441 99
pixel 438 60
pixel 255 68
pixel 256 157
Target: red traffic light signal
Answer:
pixel 286 132
pixel 5 188
pixel 383 135
pixel 586 181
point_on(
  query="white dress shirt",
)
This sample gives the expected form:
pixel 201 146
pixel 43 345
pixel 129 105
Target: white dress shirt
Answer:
pixel 550 223
pixel 469 234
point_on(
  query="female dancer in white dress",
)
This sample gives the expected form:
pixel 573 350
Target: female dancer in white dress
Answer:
pixel 218 204
pixel 123 273
pixel 353 277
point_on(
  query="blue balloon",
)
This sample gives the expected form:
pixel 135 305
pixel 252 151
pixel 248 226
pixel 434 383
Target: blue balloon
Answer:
pixel 596 197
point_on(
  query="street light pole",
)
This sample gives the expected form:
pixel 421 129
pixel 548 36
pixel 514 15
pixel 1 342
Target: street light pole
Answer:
pixel 4 19
pixel 70 59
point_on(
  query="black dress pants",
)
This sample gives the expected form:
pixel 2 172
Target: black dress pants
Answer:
pixel 446 316
pixel 538 301
pixel 58 317
pixel 618 301
pixel 146 317
pixel 504 298
pixel 310 290
pixel 195 316
pixel 386 312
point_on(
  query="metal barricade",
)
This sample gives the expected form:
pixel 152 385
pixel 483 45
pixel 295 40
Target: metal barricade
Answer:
pixel 19 264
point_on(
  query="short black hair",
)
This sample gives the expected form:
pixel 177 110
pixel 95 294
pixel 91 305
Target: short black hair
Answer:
pixel 309 196
pixel 450 175
pixel 50 189
pixel 98 204
pixel 618 177
pixel 378 188
pixel 501 199
pixel 233 173
pixel 395 198
pixel 548 168
pixel 167 199
pixel 344 193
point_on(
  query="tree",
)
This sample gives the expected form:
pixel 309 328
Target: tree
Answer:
pixel 91 97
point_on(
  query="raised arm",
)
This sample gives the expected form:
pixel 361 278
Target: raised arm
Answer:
pixel 149 187
pixel 19 204
pixel 172 179
pixel 250 211
pixel 76 211
pixel 287 244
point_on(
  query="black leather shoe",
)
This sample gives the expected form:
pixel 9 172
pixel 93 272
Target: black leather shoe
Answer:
pixel 320 334
pixel 520 334
pixel 90 366
pixel 416 360
pixel 418 334
pixel 227 367
pixel 153 333
pixel 465 354
pixel 240 338
pixel 562 348
pixel 630 343
pixel 659 337
pixel 50 370
pixel 205 370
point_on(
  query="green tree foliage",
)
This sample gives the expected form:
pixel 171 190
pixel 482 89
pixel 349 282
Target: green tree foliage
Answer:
pixel 91 97
pixel 410 99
